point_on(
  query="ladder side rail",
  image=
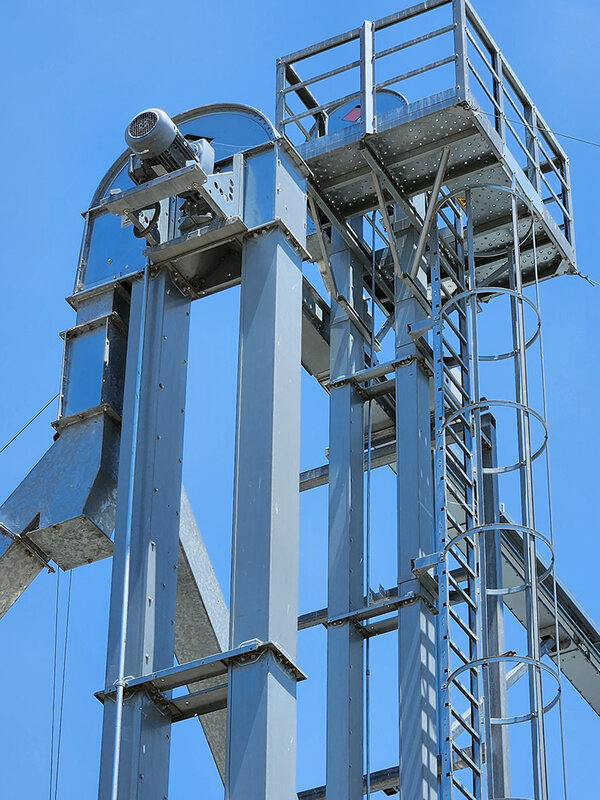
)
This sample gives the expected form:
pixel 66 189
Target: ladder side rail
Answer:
pixel 528 519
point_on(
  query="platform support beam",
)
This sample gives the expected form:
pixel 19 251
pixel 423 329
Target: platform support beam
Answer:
pixel 416 632
pixel 345 543
pixel 135 736
pixel 261 757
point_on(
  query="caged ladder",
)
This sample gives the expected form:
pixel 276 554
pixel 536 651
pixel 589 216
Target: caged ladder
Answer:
pixel 471 531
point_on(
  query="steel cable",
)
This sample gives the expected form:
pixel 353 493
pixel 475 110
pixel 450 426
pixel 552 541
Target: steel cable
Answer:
pixel 54 673
pixel 27 424
pixel 551 518
pixel 62 685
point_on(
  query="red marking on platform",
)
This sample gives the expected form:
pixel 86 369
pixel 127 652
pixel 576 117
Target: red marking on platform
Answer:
pixel 353 115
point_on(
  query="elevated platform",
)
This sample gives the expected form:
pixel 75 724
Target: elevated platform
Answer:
pixel 495 135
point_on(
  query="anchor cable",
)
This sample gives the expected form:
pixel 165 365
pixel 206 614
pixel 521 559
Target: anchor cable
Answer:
pixel 551 519
pixel 54 676
pixel 579 139
pixel 56 733
pixel 27 424
pixel 62 684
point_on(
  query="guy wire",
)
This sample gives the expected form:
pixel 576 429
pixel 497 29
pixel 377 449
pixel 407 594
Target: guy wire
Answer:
pixel 550 520
pixel 54 671
pixel 62 686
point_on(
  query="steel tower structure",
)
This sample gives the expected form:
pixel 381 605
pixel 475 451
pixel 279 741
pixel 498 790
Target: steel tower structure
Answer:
pixel 410 164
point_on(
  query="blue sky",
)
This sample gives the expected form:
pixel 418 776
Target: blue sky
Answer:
pixel 73 75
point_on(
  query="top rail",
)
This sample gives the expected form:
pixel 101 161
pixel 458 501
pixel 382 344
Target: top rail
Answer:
pixel 349 36
pixel 446 49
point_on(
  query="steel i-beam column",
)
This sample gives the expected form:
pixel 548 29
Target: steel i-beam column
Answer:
pixel 135 747
pixel 498 767
pixel 416 631
pixel 261 758
pixel 345 560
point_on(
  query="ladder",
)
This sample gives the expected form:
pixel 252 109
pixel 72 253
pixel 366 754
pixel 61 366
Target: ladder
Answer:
pixel 456 444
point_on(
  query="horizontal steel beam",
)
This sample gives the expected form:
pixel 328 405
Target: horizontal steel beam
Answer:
pixel 319 476
pixel 384 780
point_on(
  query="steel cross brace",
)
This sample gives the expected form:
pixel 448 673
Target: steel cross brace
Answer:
pixel 383 178
pixel 327 273
pixel 431 211
pixel 383 174
pixel 349 236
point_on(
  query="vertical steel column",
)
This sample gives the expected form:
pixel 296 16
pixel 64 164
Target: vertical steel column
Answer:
pixel 416 633
pixel 261 758
pixel 494 677
pixel 135 744
pixel 345 560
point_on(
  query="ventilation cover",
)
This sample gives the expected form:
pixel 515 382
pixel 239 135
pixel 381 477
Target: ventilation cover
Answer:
pixel 142 124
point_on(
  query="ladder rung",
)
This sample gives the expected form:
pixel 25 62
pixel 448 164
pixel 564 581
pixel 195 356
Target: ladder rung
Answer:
pixel 464 564
pixel 444 291
pixel 458 333
pixel 449 267
pixel 460 501
pixel 454 262
pixel 470 697
pixel 462 721
pixel 456 649
pixel 466 543
pixel 449 295
pixel 454 491
pixel 459 419
pixel 453 405
pixel 466 758
pixel 459 441
pixel 463 625
pixel 457 307
pixel 454 522
pixel 455 383
pixel 455 551
pixel 455 355
pixel 455 546
pixel 457 467
pixel 462 789
pixel 459 458
pixel 462 593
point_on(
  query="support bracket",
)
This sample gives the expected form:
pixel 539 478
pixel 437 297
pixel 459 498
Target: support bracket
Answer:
pixel 206 700
pixel 30 546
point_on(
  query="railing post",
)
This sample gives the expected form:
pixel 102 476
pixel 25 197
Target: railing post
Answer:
pixel 459 14
pixel 565 170
pixel 280 101
pixel 367 77
pixel 498 81
pixel 531 142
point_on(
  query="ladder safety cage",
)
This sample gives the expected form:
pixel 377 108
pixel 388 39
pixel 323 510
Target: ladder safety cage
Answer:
pixel 476 667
